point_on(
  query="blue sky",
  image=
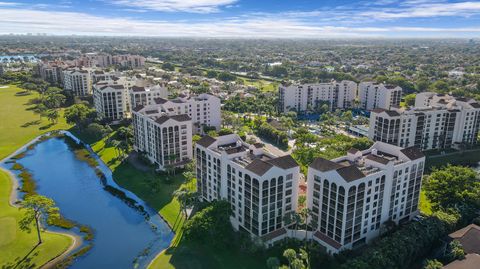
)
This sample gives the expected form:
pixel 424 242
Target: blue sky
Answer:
pixel 243 18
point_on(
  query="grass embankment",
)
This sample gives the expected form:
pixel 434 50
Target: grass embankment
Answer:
pixel 157 191
pixel 18 249
pixel 19 124
pixel 467 157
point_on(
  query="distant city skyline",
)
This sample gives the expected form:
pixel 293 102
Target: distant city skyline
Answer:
pixel 243 18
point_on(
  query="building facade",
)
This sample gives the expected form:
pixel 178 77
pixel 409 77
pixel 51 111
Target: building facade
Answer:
pixel 352 198
pixel 372 95
pixel 203 109
pixel 309 97
pixel 77 82
pixel 260 187
pixel 110 101
pixel 143 96
pixel 436 122
pixel 51 72
pixel 165 138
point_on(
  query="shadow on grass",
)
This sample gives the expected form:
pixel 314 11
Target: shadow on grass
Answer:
pixel 45 127
pixel 22 93
pixel 23 263
pixel 84 136
pixel 30 123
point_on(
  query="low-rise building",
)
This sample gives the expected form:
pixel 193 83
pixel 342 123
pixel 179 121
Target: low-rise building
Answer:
pixel 353 197
pixel 260 187
pixel 372 95
pixel 436 122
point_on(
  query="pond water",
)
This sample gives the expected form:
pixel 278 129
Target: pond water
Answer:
pixel 123 235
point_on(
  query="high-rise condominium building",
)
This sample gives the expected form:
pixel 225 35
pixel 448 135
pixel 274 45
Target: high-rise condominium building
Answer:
pixel 308 97
pixel 51 71
pixel 203 109
pixel 353 197
pixel 110 101
pixel 78 82
pixel 146 95
pixel 436 122
pixel 260 187
pixel 164 137
pixel 373 96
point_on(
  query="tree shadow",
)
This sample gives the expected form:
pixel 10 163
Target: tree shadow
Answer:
pixel 30 123
pixel 22 93
pixel 45 127
pixel 23 263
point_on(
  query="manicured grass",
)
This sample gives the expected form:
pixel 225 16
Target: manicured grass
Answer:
pixel 18 123
pixel 261 84
pixel 425 205
pixel 157 191
pixel 18 249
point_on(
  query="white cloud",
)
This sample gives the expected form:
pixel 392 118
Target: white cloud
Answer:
pixel 8 4
pixel 425 9
pixel 65 23
pixel 194 6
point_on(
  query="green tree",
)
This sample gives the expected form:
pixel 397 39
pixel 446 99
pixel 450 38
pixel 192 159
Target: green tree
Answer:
pixel 273 263
pixel 80 115
pixel 37 208
pixel 432 264
pixel 453 187
pixel 53 115
pixel 410 99
pixel 168 67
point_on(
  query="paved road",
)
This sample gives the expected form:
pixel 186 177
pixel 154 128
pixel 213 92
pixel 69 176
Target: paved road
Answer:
pixel 272 148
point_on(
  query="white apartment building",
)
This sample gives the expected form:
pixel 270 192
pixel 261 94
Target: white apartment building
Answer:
pixel 165 138
pixel 436 122
pixel 99 75
pixel 51 71
pixel 110 101
pixel 260 187
pixel 352 197
pixel 131 61
pixel 78 82
pixel 146 95
pixel 307 97
pixel 372 95
pixel 203 109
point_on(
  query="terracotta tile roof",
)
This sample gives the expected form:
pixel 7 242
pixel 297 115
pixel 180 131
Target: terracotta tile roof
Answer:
pixel 327 240
pixel 284 162
pixel 413 153
pixel 469 237
pixel 258 167
pixel 471 261
pixel 274 234
pixel 206 141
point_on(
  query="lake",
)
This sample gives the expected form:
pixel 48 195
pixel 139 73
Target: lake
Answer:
pixel 124 238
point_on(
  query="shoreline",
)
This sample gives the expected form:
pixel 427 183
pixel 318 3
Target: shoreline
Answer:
pixel 77 240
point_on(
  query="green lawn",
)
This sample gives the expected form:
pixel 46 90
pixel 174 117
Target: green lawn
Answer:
pixel 19 124
pixel 18 248
pixel 425 205
pixel 261 84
